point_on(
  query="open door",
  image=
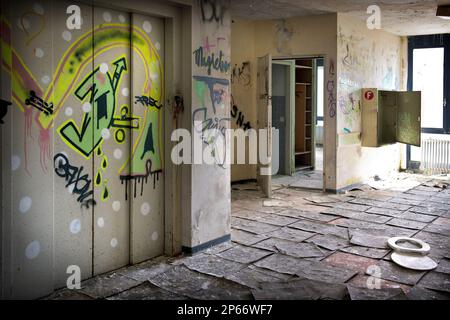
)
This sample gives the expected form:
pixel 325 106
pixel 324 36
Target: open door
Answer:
pixel 409 127
pixel 264 117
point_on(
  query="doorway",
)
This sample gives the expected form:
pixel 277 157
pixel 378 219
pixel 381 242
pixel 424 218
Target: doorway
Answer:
pixel 297 112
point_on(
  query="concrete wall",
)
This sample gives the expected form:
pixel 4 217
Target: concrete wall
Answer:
pixel 211 189
pixel 366 58
pixel 290 38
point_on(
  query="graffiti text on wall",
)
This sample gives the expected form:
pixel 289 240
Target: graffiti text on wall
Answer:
pixel 212 11
pixel 330 91
pixel 211 61
pixel 242 74
pixel 148 102
pixel 78 184
pixel 39 104
pixel 239 116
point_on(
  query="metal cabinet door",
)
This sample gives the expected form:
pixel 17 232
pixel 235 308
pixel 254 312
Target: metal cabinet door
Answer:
pixel 409 126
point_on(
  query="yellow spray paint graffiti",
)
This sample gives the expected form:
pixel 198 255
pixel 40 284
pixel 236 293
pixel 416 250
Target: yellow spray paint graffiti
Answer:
pixel 147 148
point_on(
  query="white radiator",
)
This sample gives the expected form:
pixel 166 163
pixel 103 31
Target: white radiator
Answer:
pixel 435 156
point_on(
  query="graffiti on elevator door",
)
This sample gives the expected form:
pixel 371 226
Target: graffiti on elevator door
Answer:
pixel 76 181
pixel 98 92
pixel 93 111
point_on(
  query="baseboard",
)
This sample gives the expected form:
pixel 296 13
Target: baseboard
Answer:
pixel 207 245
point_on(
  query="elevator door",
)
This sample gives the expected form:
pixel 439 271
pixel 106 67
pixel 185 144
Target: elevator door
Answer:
pixel 85 139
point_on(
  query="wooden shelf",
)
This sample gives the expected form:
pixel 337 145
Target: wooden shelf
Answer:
pixel 304 73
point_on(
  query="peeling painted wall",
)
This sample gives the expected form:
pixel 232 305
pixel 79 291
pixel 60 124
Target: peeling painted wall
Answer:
pixel 294 37
pixel 366 59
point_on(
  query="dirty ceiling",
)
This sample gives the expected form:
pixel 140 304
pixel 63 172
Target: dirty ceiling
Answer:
pixel 400 17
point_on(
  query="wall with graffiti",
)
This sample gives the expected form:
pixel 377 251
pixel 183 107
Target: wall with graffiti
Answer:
pixel 211 110
pixel 366 59
pixel 82 148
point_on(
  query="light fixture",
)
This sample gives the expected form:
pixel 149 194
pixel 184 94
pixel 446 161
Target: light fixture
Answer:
pixel 443 12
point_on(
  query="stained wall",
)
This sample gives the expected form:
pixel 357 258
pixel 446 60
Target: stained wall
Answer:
pixel 366 59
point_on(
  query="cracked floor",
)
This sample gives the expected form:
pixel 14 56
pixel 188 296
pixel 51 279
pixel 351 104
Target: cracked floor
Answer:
pixel 303 245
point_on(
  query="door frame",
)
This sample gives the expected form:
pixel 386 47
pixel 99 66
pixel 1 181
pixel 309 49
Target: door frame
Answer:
pixel 292 108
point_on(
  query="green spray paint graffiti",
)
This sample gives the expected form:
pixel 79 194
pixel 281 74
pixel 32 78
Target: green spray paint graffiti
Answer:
pixel 102 88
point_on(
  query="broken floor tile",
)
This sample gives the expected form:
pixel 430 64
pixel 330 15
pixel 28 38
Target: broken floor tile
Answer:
pixel 413 196
pixel 213 265
pixel 363 239
pixel 445 222
pixel 244 254
pixel 384 211
pixel 434 228
pixel 350 261
pixel 381 204
pixel 409 202
pixel 290 234
pixel 321 228
pixel 316 216
pixel 436 281
pixel 409 224
pixel 252 226
pixel 352 206
pixel 280 263
pixel 182 281
pixel 67 294
pixel 185 282
pixel 277 203
pixel 376 294
pixel 107 285
pixel 363 281
pixel 302 289
pixel 391 271
pixel 418 293
pixel 276 220
pixel 442 242
pixel 330 242
pixel 357 215
pixel 428 210
pixel 374 228
pixel 222 289
pixel 366 252
pixel 409 215
pixel 252 278
pixel 246 238
pixel 321 271
pixel 147 291
pixel 145 271
pixel 444 266
pixel 298 250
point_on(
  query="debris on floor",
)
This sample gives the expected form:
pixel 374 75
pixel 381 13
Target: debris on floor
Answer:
pixel 306 245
